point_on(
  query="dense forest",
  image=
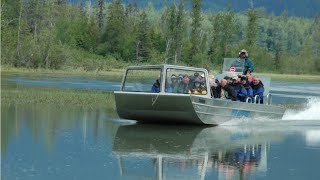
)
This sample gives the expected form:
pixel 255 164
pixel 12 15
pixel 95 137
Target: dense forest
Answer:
pixel 97 35
pixel 305 8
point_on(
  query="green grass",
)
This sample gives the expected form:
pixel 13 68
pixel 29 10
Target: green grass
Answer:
pixel 59 97
pixel 118 73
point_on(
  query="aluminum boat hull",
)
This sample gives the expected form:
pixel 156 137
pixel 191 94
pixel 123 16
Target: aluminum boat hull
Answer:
pixel 188 109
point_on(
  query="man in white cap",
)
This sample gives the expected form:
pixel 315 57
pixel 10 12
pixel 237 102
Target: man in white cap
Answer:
pixel 245 60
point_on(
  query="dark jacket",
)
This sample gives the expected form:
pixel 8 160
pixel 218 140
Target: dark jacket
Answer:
pixel 240 91
pixel 248 65
pixel 249 90
pixel 258 90
pixel 216 91
pixel 155 88
pixel 230 92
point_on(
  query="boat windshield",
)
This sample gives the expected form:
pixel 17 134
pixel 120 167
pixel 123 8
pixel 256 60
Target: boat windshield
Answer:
pixel 185 81
pixel 232 65
pixel 142 80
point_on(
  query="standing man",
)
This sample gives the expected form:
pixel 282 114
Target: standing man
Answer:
pixel 244 60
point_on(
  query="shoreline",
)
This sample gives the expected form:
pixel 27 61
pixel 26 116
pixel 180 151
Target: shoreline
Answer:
pixel 119 73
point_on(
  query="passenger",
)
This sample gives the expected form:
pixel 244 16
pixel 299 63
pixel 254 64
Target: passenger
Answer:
pixel 213 85
pixel 227 91
pixel 174 81
pixel 179 80
pixel 215 88
pixel 168 88
pixel 202 77
pixel 258 89
pixel 212 80
pixel 203 86
pixel 180 77
pixel 228 79
pixel 247 86
pixel 247 73
pixel 183 86
pixel 197 89
pixel 196 75
pixel 245 60
pixel 239 89
pixel 156 86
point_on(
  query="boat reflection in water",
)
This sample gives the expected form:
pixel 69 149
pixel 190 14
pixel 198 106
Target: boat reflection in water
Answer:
pixel 184 152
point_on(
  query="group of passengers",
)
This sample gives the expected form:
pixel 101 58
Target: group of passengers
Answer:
pixel 184 84
pixel 193 84
pixel 237 88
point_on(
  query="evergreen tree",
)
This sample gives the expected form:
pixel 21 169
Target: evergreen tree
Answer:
pixel 316 43
pixel 179 32
pixel 113 36
pixel 222 36
pixel 175 31
pixel 252 27
pixel 277 41
pixel 130 32
pixel 92 35
pixel 100 14
pixel 143 40
pixel 195 38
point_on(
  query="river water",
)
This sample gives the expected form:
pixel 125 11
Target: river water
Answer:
pixel 49 142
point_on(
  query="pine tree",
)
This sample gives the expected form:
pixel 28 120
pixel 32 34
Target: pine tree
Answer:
pixel 222 36
pixel 180 32
pixel 195 32
pixel 143 40
pixel 316 42
pixel 113 36
pixel 252 27
pixel 130 32
pixel 100 14
pixel 175 31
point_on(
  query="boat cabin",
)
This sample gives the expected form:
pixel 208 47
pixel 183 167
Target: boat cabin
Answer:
pixel 165 79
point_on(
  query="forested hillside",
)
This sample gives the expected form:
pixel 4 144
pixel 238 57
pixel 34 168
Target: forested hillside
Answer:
pixel 305 8
pixel 98 35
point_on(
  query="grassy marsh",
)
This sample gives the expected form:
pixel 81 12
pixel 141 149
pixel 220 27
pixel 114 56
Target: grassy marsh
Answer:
pixel 63 72
pixel 60 97
pixel 118 73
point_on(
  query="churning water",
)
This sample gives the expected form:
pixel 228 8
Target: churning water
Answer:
pixel 311 111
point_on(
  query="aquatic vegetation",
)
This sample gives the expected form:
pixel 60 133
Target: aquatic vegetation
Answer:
pixel 56 96
pixel 117 74
pixel 62 72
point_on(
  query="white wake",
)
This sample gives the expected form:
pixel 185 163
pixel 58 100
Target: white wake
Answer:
pixel 311 111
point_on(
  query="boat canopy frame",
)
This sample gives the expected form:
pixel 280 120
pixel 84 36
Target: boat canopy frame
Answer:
pixel 163 76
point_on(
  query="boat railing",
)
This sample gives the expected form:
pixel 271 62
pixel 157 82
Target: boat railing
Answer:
pixel 256 99
pixel 269 99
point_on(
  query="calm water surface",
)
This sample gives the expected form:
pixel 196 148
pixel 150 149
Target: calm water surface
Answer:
pixel 49 142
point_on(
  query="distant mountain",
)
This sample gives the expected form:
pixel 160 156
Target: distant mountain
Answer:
pixel 301 8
